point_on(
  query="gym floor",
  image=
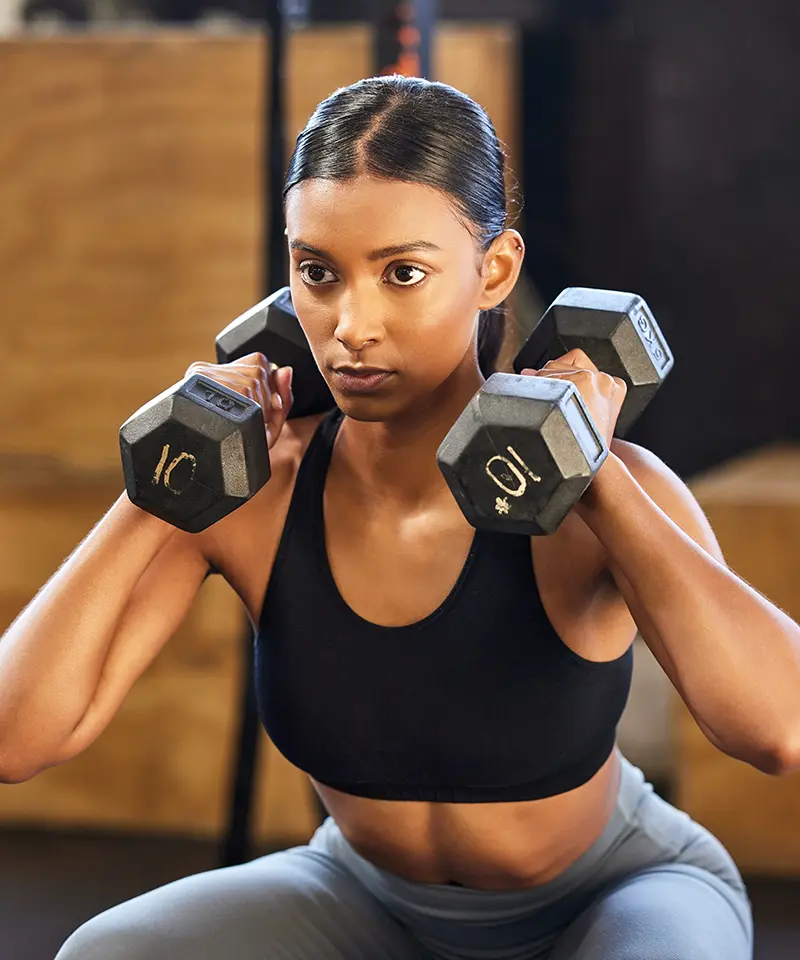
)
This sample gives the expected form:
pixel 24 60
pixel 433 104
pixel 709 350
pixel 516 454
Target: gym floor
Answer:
pixel 51 882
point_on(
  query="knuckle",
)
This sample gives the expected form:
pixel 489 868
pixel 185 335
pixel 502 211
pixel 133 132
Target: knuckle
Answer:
pixel 252 360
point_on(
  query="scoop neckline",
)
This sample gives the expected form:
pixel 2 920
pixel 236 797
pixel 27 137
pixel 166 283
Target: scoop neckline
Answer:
pixel 333 587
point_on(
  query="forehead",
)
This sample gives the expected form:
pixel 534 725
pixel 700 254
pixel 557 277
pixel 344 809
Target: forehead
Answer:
pixel 372 209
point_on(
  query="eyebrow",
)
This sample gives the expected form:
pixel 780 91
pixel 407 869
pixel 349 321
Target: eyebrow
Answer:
pixel 380 254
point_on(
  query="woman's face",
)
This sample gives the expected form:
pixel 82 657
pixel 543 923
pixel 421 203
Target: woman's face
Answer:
pixel 383 275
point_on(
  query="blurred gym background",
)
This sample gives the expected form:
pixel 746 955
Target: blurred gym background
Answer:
pixel 657 148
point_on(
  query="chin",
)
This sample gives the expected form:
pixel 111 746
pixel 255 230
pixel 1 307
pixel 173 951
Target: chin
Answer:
pixel 365 409
pixel 374 408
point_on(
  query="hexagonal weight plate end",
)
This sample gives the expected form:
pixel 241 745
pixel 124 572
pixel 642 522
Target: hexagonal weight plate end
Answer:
pixel 521 447
pixel 271 327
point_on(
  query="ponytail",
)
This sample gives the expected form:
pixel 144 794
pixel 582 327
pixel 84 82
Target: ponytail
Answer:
pixel 491 332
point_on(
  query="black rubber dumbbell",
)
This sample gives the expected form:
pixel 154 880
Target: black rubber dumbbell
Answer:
pixel 525 449
pixel 272 328
pixel 198 451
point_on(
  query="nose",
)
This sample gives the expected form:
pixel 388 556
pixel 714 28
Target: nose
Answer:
pixel 358 323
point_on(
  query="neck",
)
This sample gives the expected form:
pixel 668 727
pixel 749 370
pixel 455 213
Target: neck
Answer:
pixel 398 456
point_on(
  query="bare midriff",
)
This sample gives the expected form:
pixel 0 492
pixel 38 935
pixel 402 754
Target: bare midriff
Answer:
pixel 486 846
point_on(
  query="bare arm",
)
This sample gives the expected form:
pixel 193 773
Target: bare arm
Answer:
pixel 75 650
pixel 732 655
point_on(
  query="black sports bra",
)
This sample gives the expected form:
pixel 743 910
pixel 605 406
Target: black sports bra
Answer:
pixel 479 701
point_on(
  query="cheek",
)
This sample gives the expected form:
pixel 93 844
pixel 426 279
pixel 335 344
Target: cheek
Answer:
pixel 314 319
pixel 447 320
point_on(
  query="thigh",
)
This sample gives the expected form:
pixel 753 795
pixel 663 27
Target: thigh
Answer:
pixel 669 912
pixel 298 904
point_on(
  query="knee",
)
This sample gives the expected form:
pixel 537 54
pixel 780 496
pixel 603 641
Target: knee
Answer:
pixel 101 939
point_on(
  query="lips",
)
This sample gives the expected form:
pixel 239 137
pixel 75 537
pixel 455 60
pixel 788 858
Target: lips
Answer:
pixel 359 379
pixel 359 371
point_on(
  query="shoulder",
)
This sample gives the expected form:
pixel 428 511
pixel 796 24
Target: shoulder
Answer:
pixel 669 492
pixel 262 511
pixel 293 442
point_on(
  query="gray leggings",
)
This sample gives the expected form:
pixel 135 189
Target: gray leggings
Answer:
pixel 654 886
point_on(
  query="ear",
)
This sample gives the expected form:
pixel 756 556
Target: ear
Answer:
pixel 501 265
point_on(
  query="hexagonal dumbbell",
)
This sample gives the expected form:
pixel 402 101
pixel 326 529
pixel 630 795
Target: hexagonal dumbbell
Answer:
pixel 525 449
pixel 199 450
pixel 521 454
pixel 619 334
pixel 272 328
pixel 194 453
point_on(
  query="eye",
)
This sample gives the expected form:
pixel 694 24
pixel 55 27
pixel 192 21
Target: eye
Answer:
pixel 404 274
pixel 314 274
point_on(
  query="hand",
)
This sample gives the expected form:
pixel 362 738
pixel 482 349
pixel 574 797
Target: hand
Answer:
pixel 259 380
pixel 602 393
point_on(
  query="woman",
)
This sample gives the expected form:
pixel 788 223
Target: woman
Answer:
pixel 453 695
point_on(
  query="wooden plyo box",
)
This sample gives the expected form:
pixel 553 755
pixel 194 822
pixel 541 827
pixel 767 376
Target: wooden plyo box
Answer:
pixel 753 504
pixel 131 190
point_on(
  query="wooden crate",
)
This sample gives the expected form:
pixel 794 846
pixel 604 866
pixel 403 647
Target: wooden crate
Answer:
pixel 753 504
pixel 132 202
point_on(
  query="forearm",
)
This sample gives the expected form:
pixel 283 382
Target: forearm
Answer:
pixel 52 655
pixel 733 655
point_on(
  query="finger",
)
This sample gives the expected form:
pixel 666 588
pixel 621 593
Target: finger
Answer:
pixel 552 368
pixel 281 402
pixel 236 384
pixel 261 378
pixel 606 381
pixel 271 382
pixel 261 394
pixel 285 377
pixel 567 373
pixel 577 358
pixel 256 359
pixel 567 366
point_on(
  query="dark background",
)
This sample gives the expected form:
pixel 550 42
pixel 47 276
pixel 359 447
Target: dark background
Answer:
pixel 662 148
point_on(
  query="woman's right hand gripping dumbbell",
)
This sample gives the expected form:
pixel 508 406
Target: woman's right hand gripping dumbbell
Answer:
pixel 201 449
pixel 254 377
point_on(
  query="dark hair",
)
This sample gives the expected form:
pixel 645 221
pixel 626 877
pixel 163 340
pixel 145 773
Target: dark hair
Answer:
pixel 419 131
